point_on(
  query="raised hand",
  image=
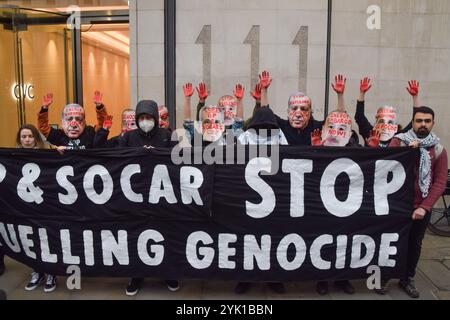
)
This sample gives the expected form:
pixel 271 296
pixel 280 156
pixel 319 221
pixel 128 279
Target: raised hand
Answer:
pixel 265 80
pixel 48 100
pixel 316 138
pixel 107 123
pixel 98 96
pixel 374 139
pixel 257 93
pixel 365 85
pixel 188 90
pixel 339 85
pixel 202 91
pixel 413 88
pixel 239 92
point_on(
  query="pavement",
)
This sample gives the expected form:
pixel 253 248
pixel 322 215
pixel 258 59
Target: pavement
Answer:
pixel 433 281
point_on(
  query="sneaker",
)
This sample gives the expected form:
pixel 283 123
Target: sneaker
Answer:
pixel 322 288
pixel 50 284
pixel 345 286
pixel 134 286
pixel 384 285
pixel 36 280
pixel 242 287
pixel 410 288
pixel 173 285
pixel 277 287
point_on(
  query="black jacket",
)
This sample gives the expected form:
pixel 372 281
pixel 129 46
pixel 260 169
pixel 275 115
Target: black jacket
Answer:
pixel 101 140
pixel 295 137
pixel 299 137
pixel 263 118
pixel 86 140
pixel 157 138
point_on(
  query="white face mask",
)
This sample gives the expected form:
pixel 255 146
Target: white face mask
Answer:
pixel 147 125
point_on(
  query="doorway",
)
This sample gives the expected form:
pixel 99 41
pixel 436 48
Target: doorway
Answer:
pixel 35 59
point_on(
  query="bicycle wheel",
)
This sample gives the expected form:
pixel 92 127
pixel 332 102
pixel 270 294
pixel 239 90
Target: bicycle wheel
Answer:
pixel 440 222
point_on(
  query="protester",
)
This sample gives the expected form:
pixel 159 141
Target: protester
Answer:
pixel 128 124
pixel 337 132
pixel 262 130
pixel 28 137
pixel 232 109
pixel 164 121
pixel 300 124
pixel 386 126
pixel 148 134
pixel 211 125
pixel 74 135
pixel 430 182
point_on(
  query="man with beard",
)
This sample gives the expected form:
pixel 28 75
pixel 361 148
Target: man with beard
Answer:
pixel 300 124
pixel 430 183
pixel 386 125
pixel 74 135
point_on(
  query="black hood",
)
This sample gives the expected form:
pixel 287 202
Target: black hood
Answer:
pixel 264 118
pixel 147 107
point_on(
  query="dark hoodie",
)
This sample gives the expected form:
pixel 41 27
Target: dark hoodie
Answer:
pixel 157 138
pixel 263 118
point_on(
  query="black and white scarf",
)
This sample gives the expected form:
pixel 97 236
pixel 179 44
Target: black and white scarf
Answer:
pixel 425 158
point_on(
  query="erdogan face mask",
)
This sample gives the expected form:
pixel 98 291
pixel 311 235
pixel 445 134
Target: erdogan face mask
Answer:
pixel 128 121
pixel 147 125
pixel 163 117
pixel 386 123
pixel 73 121
pixel 299 110
pixel 337 130
pixel 228 105
pixel 212 123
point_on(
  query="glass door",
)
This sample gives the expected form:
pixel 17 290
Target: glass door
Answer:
pixel 10 104
pixel 35 59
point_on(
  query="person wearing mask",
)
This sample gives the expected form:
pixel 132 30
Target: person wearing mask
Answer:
pixel 148 134
pixel 128 124
pixel 164 120
pixel 301 123
pixel 337 132
pixel 74 135
pixel 386 125
pixel 210 127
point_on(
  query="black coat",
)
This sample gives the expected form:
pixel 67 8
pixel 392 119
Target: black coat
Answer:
pixel 157 138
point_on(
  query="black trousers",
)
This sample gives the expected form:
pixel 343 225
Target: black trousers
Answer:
pixel 416 235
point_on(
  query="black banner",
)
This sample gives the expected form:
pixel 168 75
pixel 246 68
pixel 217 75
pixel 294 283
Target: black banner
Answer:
pixel 323 213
